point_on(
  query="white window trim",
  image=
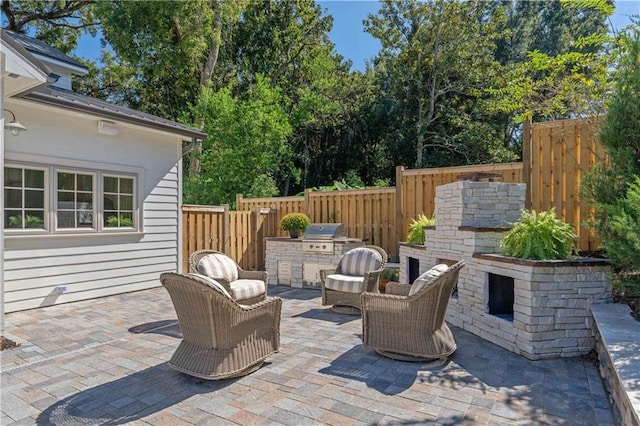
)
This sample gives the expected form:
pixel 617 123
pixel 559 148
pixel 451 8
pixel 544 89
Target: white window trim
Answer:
pixel 51 166
pixel 47 183
pixel 54 200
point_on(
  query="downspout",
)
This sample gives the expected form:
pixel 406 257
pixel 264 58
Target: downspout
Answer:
pixel 1 188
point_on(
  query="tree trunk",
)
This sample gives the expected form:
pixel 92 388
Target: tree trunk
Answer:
pixel 205 81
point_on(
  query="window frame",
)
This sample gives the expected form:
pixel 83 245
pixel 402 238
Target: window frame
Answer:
pixel 99 171
pixel 46 208
pixel 55 193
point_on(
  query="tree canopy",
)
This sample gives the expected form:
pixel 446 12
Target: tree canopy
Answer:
pixel 452 84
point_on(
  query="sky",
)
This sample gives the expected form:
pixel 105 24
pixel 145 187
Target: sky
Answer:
pixel 348 33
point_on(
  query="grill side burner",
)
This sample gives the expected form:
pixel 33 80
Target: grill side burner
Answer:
pixel 318 237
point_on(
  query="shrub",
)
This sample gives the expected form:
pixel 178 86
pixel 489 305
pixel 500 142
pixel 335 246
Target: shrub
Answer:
pixel 416 231
pixel 539 236
pixel 113 222
pixel 295 222
pixel 29 222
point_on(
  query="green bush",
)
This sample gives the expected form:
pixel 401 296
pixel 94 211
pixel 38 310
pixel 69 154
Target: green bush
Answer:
pixel 295 222
pixel 416 231
pixel 29 222
pixel 539 236
pixel 112 222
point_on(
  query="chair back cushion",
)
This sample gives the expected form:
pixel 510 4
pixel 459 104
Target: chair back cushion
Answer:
pixel 424 280
pixel 360 260
pixel 218 265
pixel 212 283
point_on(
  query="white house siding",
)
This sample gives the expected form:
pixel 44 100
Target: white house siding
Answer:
pixel 89 266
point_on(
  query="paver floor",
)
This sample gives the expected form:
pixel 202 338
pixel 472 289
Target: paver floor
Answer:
pixel 104 361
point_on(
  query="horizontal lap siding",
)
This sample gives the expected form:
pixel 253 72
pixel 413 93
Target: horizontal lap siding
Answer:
pixel 97 266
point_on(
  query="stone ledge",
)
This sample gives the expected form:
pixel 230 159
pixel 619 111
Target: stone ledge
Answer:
pixel 577 261
pixel 618 335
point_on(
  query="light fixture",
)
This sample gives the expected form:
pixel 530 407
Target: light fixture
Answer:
pixel 14 125
pixel 107 128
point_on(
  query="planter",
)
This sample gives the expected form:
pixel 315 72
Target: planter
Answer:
pixel 294 234
pixel 541 309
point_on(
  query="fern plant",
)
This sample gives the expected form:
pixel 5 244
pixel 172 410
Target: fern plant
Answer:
pixel 29 221
pixel 540 236
pixel 416 228
pixel 119 222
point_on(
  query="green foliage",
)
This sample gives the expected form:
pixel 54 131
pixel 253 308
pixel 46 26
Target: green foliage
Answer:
pixel 539 236
pixel 390 274
pixel 416 228
pixel 119 222
pixel 295 222
pixel 613 186
pixel 247 142
pixel 29 222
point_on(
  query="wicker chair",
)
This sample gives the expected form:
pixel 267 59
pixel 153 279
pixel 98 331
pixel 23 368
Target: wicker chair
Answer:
pixel 246 287
pixel 357 272
pixel 410 326
pixel 221 338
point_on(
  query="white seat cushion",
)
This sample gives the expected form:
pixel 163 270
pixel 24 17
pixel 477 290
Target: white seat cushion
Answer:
pixel 344 283
pixel 424 280
pixel 218 265
pixel 246 289
pixel 212 283
pixel 359 261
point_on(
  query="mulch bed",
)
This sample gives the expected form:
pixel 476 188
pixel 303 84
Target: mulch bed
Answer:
pixel 7 343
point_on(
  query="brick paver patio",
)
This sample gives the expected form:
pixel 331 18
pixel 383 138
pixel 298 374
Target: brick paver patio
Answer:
pixel 105 361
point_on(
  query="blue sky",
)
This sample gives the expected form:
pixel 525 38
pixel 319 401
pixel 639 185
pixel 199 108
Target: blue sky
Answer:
pixel 348 33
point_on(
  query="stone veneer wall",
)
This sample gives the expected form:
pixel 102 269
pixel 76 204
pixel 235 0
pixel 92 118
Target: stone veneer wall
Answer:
pixel 471 218
pixel 289 250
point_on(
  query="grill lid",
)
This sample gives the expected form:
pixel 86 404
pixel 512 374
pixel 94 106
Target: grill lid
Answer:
pixel 324 231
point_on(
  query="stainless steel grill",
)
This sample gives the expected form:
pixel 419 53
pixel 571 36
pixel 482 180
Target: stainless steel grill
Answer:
pixel 318 238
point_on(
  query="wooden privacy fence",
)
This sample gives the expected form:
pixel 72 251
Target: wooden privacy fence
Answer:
pixel 559 154
pixel 556 156
pixel 240 234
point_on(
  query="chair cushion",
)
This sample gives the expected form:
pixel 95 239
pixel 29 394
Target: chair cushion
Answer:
pixel 218 265
pixel 344 283
pixel 359 261
pixel 246 289
pixel 212 283
pixel 424 280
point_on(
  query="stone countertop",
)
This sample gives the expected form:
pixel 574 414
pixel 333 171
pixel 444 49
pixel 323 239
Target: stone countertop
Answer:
pixel 621 336
pixel 299 240
pixel 575 261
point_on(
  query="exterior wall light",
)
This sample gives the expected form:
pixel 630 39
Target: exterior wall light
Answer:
pixel 107 128
pixel 14 125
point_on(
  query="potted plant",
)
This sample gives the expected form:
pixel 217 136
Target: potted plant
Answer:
pixel 416 228
pixel 388 274
pixel 295 223
pixel 540 236
pixel 29 222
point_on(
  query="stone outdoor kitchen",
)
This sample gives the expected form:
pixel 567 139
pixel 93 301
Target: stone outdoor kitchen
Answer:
pixel 538 309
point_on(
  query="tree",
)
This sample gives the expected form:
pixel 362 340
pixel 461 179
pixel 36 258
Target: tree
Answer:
pixel 440 57
pixel 57 23
pixel 246 140
pixel 613 186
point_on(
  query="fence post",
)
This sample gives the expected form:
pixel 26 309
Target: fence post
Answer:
pixel 305 203
pixel 255 237
pixel 399 204
pixel 526 161
pixel 238 202
pixel 226 229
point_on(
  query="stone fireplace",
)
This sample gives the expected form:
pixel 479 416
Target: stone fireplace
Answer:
pixel 539 309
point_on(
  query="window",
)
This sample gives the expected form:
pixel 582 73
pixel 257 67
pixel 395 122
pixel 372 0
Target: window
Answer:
pixel 24 198
pixel 118 202
pixel 74 200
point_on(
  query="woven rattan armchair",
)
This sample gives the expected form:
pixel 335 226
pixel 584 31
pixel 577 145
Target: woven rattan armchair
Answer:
pixel 246 287
pixel 221 338
pixel 357 272
pixel 411 327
